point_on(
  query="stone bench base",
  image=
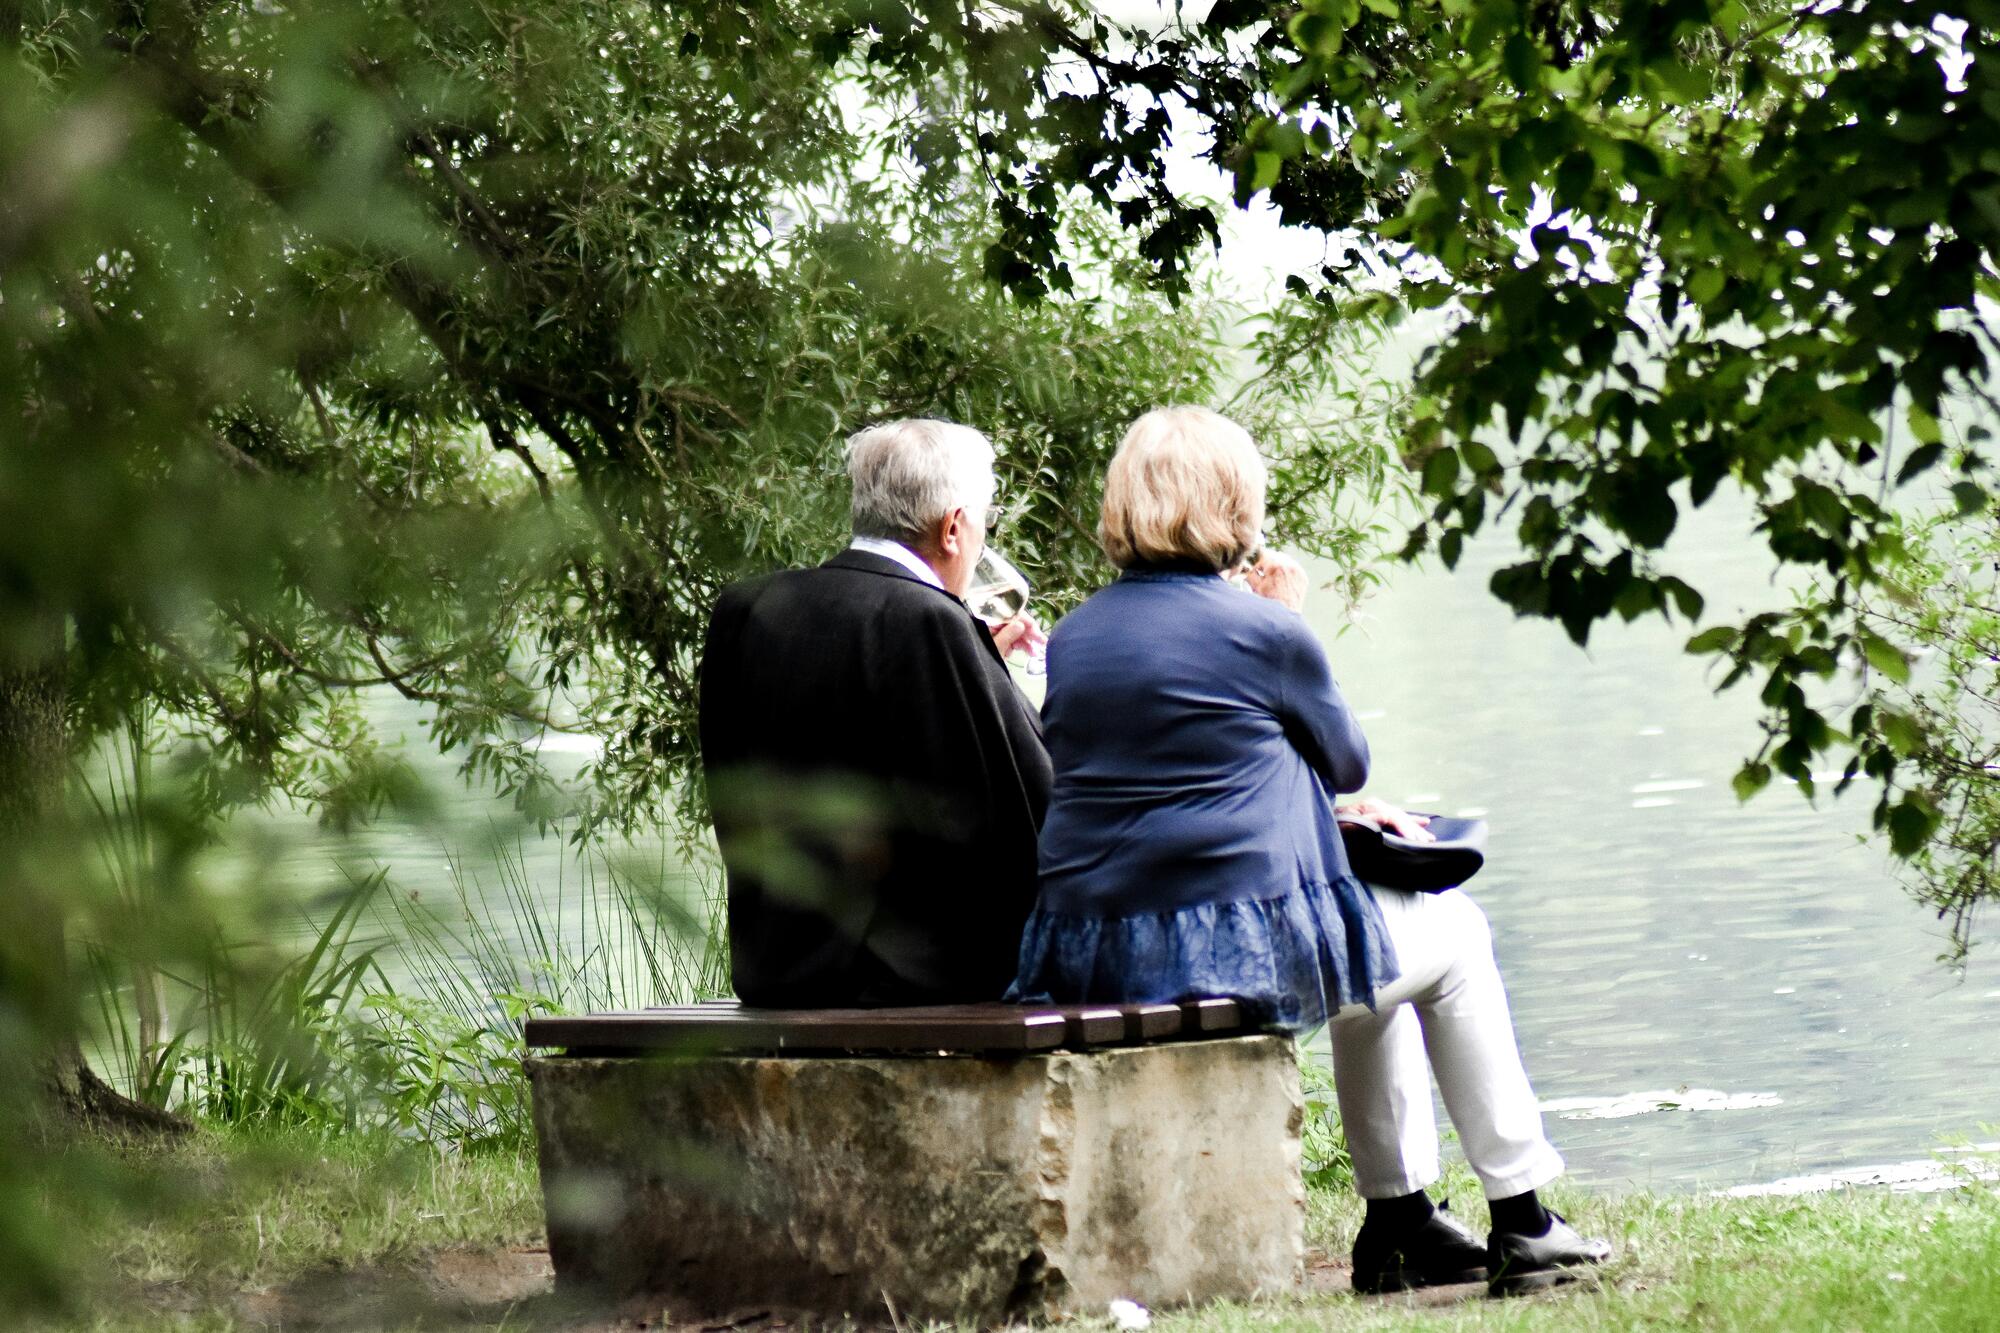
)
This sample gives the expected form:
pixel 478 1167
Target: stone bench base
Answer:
pixel 959 1188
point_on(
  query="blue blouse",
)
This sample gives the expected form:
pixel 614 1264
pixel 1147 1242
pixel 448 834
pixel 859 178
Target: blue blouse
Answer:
pixel 1191 846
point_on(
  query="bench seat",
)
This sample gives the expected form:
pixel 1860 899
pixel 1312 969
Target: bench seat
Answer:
pixel 728 1028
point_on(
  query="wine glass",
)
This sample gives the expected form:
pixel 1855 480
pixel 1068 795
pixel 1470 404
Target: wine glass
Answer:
pixel 997 594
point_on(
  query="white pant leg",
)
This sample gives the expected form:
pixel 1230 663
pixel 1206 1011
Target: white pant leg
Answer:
pixel 1382 1079
pixel 1450 980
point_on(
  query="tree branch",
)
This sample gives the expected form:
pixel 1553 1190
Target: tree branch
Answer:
pixel 506 441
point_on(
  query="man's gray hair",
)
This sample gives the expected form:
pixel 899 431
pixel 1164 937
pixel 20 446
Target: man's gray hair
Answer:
pixel 909 474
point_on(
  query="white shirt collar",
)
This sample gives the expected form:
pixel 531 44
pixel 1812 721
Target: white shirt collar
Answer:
pixel 901 554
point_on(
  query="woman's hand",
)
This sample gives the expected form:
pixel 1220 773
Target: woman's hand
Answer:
pixel 1369 810
pixel 1278 577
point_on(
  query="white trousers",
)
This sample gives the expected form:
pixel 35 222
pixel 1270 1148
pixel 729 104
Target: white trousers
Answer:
pixel 1448 1010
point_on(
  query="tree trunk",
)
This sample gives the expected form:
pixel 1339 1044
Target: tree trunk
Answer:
pixel 82 1098
pixel 34 762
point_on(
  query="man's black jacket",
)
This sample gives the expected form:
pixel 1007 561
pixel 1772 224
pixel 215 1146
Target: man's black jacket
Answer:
pixel 877 783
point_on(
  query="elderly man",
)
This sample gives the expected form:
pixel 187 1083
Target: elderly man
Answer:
pixel 876 778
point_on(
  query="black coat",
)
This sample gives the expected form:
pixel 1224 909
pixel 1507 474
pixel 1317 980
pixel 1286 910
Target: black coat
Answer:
pixel 877 783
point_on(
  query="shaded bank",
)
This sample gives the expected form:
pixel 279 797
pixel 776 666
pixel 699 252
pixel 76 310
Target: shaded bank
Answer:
pixel 301 1232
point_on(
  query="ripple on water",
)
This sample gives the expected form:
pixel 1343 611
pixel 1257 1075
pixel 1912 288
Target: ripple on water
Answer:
pixel 1646 1103
pixel 1930 1175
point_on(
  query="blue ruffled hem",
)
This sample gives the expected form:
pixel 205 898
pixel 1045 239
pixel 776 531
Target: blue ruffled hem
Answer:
pixel 1292 960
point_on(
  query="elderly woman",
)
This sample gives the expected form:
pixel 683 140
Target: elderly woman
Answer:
pixel 1192 848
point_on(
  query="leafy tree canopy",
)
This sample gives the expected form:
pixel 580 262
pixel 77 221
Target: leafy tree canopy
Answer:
pixel 487 346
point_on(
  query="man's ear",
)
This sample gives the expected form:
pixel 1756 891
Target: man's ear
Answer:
pixel 951 533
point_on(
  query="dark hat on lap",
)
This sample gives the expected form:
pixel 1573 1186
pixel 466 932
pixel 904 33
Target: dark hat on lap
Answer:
pixel 1380 857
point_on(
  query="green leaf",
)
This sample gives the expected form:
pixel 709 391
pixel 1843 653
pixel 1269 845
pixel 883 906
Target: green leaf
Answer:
pixel 1885 657
pixel 1522 61
pixel 1712 640
pixel 1750 779
pixel 1640 160
pixel 1914 210
pixel 1517 160
pixel 1911 823
pixel 1573 179
pixel 1704 285
pixel 1845 423
pixel 1685 597
pixel 1904 734
pixel 1440 472
pixel 1683 81
pixel 1924 426
pixel 1970 497
pixel 1645 512
pixel 1635 599
pixel 1490 18
pixel 1922 458
pixel 1315 34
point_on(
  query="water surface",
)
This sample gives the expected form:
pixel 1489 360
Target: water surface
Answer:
pixel 1657 936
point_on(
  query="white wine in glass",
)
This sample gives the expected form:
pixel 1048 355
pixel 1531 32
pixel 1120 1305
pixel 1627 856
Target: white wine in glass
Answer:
pixel 998 594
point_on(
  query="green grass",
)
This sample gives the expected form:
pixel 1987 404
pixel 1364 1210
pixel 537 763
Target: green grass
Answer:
pixel 1861 1260
pixel 237 1210
pixel 238 1213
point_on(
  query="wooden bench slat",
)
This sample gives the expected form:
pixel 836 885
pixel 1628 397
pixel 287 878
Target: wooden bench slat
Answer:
pixel 719 1026
pixel 1082 1025
pixel 810 1019
pixel 1150 1022
pixel 1088 1024
pixel 1093 1024
pixel 827 1030
pixel 1213 1015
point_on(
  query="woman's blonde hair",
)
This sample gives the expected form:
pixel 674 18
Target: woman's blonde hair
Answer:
pixel 1186 485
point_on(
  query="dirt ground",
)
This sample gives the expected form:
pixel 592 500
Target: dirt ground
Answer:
pixel 444 1289
pixel 462 1289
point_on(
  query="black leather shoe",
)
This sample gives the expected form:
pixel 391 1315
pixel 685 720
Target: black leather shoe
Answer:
pixel 1438 1253
pixel 1531 1263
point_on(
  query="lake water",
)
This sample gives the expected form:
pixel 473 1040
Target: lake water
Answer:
pixel 1708 994
pixel 1657 937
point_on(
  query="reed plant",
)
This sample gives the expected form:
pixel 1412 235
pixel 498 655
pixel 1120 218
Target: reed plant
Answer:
pixel 397 1010
pixel 275 1043
pixel 136 1045
pixel 611 931
pixel 260 1035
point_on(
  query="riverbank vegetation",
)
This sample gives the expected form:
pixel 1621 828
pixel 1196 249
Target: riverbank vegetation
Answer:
pixel 303 1229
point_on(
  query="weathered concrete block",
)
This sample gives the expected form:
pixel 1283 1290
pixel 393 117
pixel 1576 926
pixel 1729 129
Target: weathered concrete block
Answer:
pixel 978 1190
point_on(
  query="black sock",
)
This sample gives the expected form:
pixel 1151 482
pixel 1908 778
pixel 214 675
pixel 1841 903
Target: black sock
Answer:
pixel 1522 1215
pixel 1405 1212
